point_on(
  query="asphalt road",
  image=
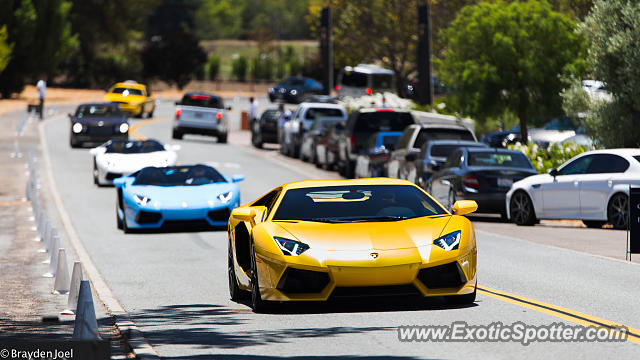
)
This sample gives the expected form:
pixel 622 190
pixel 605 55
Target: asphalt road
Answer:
pixel 175 285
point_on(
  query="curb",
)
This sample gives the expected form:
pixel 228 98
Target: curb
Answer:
pixel 132 335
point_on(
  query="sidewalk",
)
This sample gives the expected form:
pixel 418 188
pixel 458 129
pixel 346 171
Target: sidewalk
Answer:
pixel 28 309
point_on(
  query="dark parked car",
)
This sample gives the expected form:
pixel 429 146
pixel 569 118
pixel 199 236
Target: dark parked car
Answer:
pixel 97 123
pixel 433 154
pixel 480 174
pixel 370 162
pixel 363 123
pixel 294 90
pixel 265 129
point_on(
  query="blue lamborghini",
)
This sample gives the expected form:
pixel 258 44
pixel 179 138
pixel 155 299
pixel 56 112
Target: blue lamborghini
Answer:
pixel 183 197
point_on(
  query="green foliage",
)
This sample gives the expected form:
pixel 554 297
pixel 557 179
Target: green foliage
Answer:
pixel 249 19
pixel 262 68
pixel 213 67
pixel 575 99
pixel 510 56
pixel 295 67
pixel 175 58
pixel 5 48
pixel 613 32
pixel 239 68
pixel 546 159
pixel 41 36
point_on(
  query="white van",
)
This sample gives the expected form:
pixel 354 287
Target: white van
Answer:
pixel 364 79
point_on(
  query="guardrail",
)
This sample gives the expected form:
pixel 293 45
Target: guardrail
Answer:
pixel 79 301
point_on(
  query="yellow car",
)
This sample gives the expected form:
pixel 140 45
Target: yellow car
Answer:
pixel 132 97
pixel 312 240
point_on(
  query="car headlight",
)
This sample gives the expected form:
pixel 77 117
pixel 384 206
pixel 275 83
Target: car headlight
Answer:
pixel 290 247
pixel 141 199
pixel 226 197
pixel 449 242
pixel 124 127
pixel 77 128
pixel 294 91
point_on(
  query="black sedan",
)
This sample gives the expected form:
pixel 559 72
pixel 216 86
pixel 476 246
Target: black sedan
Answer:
pixel 294 90
pixel 480 174
pixel 97 123
pixel 265 129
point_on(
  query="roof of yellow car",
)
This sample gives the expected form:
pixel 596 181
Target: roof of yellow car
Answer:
pixel 129 85
pixel 370 181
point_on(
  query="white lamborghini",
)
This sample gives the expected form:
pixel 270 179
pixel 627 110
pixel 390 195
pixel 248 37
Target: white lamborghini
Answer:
pixel 117 158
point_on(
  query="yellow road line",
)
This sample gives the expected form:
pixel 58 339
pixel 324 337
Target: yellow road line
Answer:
pixel 133 130
pixel 563 313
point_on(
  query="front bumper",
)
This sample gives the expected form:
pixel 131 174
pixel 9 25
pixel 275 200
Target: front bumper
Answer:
pixel 294 281
pixel 84 138
pixel 151 218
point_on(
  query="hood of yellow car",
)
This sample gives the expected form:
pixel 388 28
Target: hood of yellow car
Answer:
pixel 386 235
pixel 132 99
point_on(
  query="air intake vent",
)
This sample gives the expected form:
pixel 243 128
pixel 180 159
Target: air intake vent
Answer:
pixel 443 276
pixel 297 281
pixel 148 217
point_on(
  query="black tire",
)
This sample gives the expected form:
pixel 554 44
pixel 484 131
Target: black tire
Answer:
pixel 95 173
pixel 618 211
pixel 257 304
pixel 465 299
pixel 222 138
pixel 521 208
pixel 349 171
pixel 256 139
pixel 593 224
pixel 235 293
pixel 177 135
pixel 118 220
pixel 150 114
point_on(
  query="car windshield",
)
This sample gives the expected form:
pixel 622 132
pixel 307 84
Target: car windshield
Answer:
pixel 429 134
pixel 292 82
pixel 314 113
pixel 126 91
pixel 499 159
pixel 96 110
pixel 202 100
pixel 354 79
pixel 383 121
pixel 389 141
pixel 444 150
pixel 178 176
pixel 134 147
pixel 356 203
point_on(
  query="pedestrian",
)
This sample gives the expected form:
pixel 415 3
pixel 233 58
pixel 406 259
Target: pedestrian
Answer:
pixel 384 103
pixel 285 115
pixel 253 109
pixel 42 89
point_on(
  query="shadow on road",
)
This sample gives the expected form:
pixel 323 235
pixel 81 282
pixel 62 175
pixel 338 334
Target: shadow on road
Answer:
pixel 204 325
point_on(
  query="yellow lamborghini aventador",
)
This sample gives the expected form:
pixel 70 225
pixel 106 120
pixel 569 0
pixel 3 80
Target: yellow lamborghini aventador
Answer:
pixel 312 240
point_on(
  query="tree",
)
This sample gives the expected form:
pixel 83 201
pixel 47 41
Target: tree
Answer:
pixel 5 49
pixel 41 36
pixel 503 56
pixel 175 58
pixel 612 30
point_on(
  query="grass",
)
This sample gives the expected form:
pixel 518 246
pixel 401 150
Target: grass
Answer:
pixel 231 49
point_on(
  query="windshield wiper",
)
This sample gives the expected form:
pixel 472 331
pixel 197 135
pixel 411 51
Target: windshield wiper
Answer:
pixel 327 220
pixel 378 218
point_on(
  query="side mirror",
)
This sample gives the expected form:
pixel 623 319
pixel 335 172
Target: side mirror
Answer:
pixel 229 108
pixel 244 214
pixel 553 172
pixel 237 178
pixel 462 207
pixel 70 115
pixel 119 181
pixel 177 103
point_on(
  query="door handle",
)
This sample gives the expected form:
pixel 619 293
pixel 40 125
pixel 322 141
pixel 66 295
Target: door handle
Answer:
pixel 535 186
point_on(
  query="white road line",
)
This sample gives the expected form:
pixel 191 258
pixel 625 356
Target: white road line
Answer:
pixel 123 322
